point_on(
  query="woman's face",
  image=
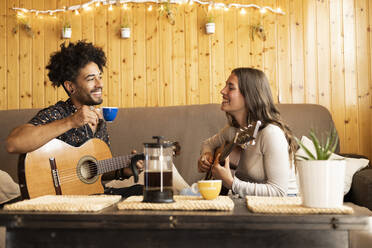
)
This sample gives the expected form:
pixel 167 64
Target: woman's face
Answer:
pixel 232 99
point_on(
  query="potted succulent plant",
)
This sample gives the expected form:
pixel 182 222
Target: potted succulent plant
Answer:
pixel 66 30
pixel 321 178
pixel 210 26
pixel 125 29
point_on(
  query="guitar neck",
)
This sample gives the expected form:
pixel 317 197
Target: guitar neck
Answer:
pixel 226 152
pixel 112 164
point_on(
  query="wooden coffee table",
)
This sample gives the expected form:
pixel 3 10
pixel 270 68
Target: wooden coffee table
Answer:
pixel 239 228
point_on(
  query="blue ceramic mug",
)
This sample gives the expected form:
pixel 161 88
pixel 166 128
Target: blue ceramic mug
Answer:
pixel 109 113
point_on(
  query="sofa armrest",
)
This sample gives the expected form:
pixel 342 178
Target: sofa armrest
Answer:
pixel 361 188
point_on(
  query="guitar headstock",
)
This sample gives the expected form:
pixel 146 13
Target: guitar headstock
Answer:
pixel 247 134
pixel 176 148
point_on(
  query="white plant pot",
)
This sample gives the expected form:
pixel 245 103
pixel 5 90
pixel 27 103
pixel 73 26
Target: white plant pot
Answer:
pixel 322 183
pixel 66 33
pixel 125 33
pixel 210 28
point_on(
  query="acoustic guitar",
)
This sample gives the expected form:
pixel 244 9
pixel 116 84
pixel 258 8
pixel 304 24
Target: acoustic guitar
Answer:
pixel 244 137
pixel 58 168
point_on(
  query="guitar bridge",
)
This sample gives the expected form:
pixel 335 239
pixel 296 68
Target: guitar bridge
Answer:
pixel 55 176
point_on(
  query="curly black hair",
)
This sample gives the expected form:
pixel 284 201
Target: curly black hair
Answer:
pixel 65 65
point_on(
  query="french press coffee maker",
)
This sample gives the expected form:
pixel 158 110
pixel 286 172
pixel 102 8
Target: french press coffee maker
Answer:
pixel 158 178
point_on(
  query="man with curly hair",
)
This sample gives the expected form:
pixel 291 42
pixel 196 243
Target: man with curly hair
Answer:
pixel 78 68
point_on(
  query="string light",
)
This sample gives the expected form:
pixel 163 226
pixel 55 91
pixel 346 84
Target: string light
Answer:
pixel 86 6
pixel 149 8
pixel 242 11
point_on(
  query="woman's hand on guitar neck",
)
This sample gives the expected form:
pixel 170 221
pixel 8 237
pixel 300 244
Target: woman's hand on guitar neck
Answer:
pixel 222 172
pixel 205 162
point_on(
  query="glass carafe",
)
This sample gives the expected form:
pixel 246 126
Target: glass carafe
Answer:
pixel 158 171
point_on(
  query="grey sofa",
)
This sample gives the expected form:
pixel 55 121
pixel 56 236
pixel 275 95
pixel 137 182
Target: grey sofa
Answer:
pixel 189 125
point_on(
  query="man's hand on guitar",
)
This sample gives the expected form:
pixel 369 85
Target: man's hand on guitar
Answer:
pixel 140 166
pixel 222 172
pixel 205 162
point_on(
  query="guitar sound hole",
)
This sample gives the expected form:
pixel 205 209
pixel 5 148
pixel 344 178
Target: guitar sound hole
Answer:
pixel 87 169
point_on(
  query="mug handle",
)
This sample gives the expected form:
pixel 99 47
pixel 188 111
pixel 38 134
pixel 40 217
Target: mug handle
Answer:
pixel 194 188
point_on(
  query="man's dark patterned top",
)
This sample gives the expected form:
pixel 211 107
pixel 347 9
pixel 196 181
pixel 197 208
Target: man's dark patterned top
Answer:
pixel 75 136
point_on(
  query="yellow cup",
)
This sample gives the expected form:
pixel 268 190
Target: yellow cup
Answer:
pixel 209 189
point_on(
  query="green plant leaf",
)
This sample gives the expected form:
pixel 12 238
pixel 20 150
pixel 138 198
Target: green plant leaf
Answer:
pixel 307 151
pixel 317 145
pixel 303 157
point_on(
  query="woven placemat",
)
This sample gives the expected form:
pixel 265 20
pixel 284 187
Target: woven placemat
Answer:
pixel 289 205
pixel 221 203
pixel 65 203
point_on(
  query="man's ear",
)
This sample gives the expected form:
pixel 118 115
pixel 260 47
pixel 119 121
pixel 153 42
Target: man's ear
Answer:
pixel 69 87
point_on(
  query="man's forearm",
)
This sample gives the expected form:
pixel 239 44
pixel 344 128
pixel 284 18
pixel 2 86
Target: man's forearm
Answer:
pixel 28 137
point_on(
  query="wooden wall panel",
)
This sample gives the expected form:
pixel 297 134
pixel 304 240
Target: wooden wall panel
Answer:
pixel 269 50
pixel 363 61
pixel 152 58
pixel 191 54
pixel 38 63
pixel 52 28
pixel 3 55
pixel 166 46
pixel 204 52
pixel 323 50
pixel 318 52
pixel 284 56
pixel 178 58
pixel 297 49
pixel 25 64
pixel 126 51
pixel 12 57
pixel 337 69
pixel 369 31
pixel 113 65
pixel 61 94
pixel 310 52
pixel 217 56
pixel 351 83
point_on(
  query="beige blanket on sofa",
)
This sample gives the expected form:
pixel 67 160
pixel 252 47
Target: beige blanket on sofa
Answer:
pixel 8 188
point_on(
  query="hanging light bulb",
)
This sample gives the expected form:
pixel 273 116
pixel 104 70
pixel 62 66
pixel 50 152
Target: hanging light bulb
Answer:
pixel 191 2
pixel 263 10
pixel 86 7
pixel 279 10
pixel 161 7
pixel 149 8
pixel 242 11
pixel 226 8
pixel 209 7
pixel 77 12
pixel 110 8
pixel 97 4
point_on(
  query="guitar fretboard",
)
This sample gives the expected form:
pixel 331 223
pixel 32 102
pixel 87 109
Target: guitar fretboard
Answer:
pixel 112 164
